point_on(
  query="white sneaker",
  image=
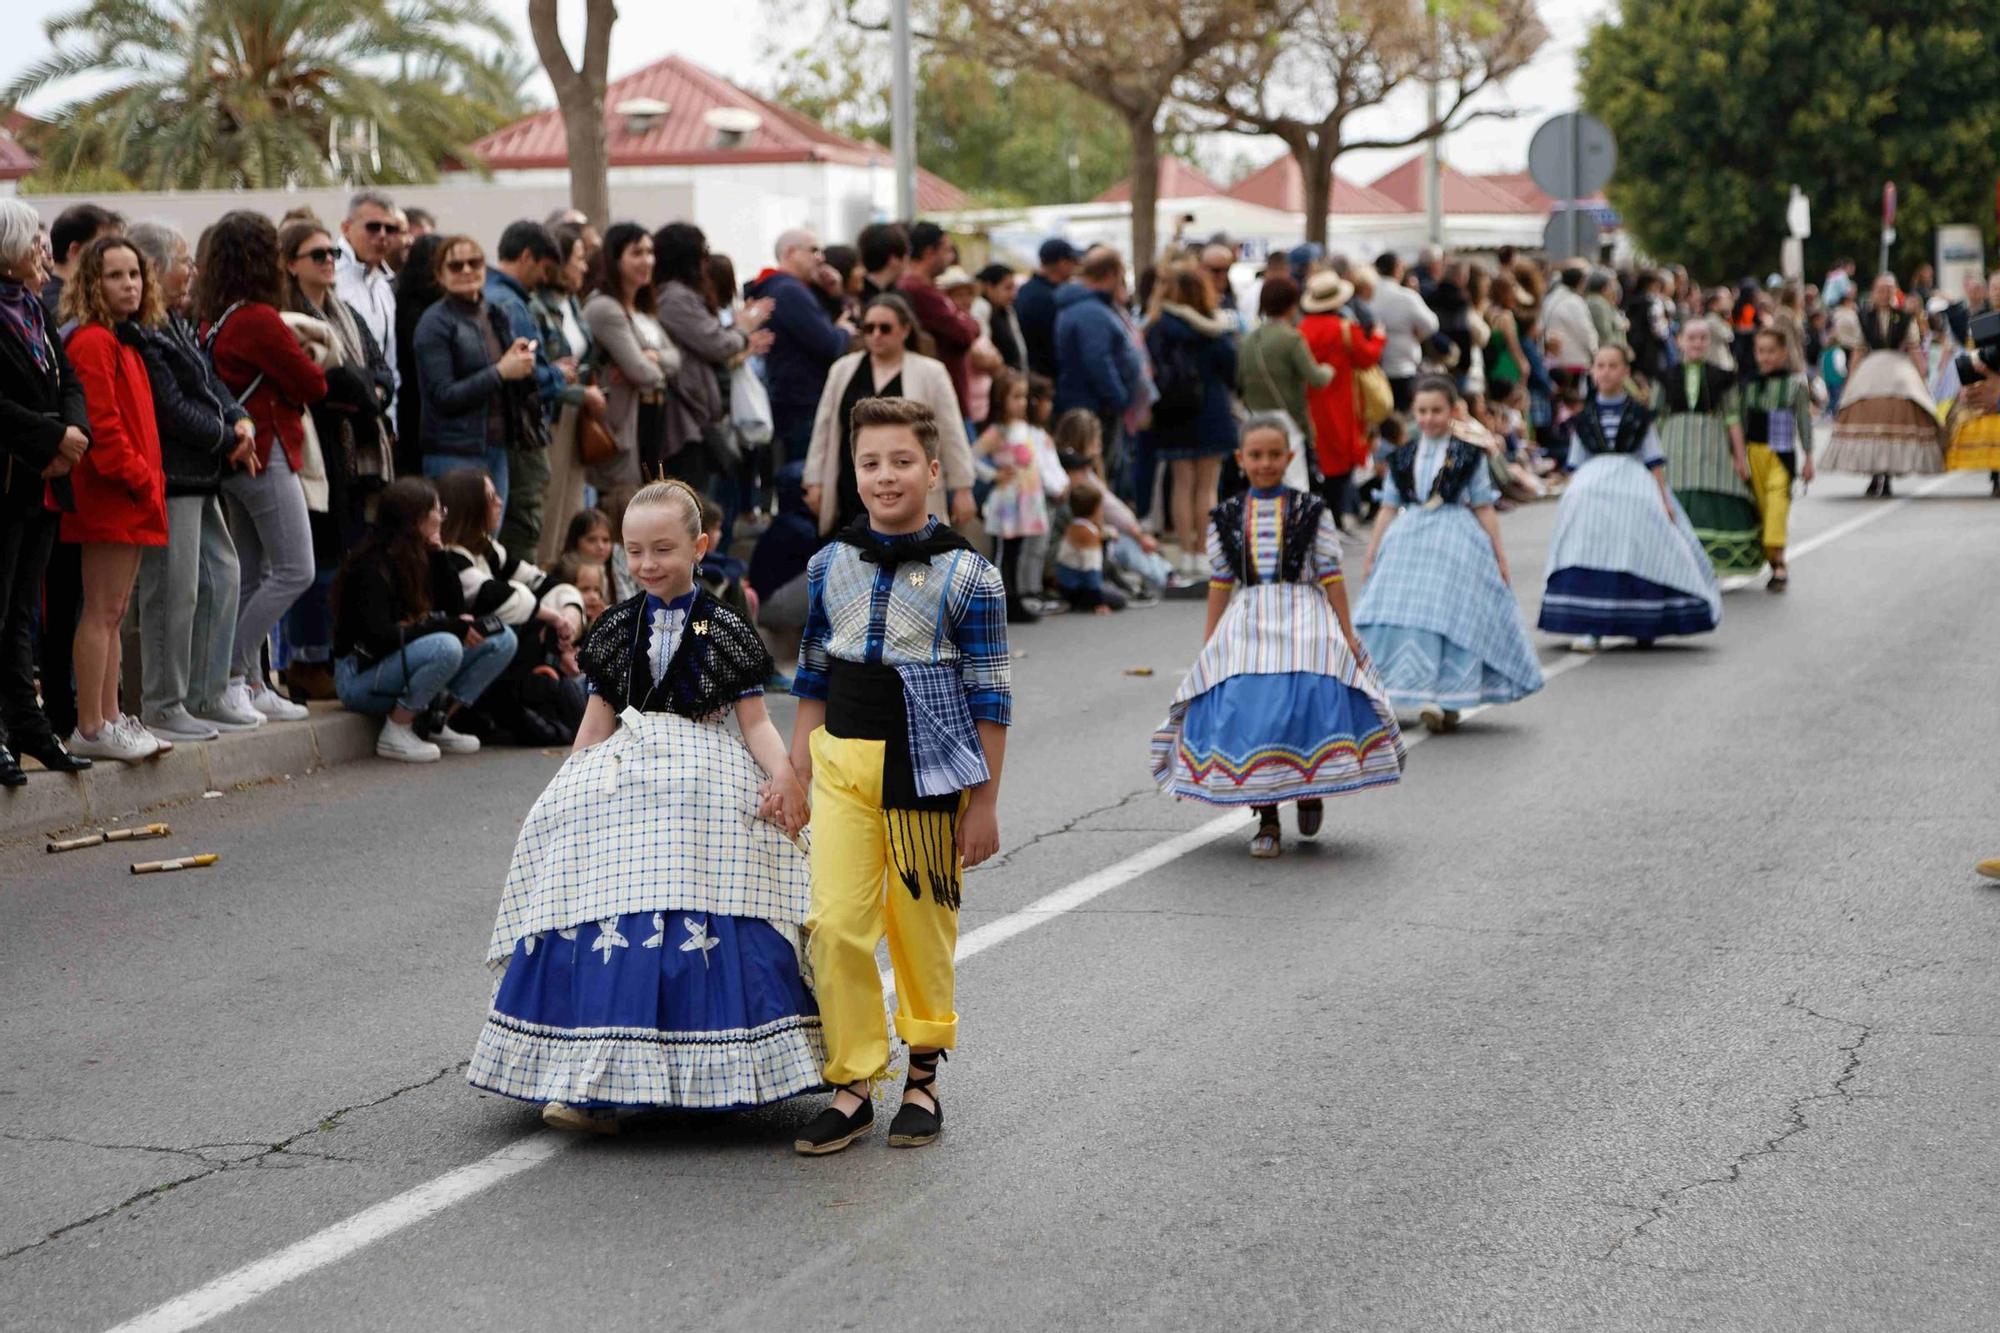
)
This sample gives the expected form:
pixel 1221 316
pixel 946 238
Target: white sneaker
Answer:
pixel 226 716
pixel 452 742
pixel 398 742
pixel 136 729
pixel 275 706
pixel 113 742
pixel 1585 643
pixel 177 724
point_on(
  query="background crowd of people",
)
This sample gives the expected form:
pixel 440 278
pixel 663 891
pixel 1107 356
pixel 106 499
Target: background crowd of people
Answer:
pixel 362 459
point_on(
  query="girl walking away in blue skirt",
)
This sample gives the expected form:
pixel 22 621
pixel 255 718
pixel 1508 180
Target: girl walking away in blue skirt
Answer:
pixel 1624 559
pixel 1281 704
pixel 647 941
pixel 1437 614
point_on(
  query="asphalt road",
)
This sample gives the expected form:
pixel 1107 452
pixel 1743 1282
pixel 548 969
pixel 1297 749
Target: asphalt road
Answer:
pixel 1663 1000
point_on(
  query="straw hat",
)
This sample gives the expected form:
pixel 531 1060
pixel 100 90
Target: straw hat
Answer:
pixel 1325 293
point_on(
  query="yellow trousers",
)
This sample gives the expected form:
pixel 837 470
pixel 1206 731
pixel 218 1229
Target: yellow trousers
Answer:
pixel 1771 487
pixel 876 870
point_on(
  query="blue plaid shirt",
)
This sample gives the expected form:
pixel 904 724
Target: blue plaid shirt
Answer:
pixel 951 611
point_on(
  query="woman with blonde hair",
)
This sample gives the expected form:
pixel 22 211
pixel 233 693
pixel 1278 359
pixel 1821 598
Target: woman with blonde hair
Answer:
pixel 119 491
pixel 1193 428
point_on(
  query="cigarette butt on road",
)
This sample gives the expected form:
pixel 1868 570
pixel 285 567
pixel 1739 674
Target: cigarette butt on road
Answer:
pixel 1138 671
pixel 98 839
pixel 178 863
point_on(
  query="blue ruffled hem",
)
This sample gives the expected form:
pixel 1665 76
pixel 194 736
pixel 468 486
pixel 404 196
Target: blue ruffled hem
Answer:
pixel 684 1009
pixel 1262 739
pixel 1599 601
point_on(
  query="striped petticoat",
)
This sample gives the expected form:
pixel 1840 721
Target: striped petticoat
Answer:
pixel 1701 467
pixel 1277 709
pixel 1620 564
pixel 1439 624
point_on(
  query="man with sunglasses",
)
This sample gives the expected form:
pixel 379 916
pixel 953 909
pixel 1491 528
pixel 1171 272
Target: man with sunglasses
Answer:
pixel 362 277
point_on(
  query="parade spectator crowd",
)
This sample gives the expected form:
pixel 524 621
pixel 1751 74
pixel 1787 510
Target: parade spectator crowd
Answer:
pixel 363 459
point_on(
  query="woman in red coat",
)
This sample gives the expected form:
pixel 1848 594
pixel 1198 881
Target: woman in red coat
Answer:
pixel 120 492
pixel 1339 434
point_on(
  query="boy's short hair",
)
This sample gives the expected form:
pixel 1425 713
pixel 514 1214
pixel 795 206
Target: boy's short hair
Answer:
pixel 1085 498
pixel 711 514
pixel 906 412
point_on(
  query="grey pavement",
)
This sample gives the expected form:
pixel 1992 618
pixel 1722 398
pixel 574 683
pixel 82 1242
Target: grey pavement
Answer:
pixel 1665 999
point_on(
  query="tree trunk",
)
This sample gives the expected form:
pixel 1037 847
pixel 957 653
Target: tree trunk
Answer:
pixel 589 157
pixel 1144 128
pixel 580 96
pixel 1316 165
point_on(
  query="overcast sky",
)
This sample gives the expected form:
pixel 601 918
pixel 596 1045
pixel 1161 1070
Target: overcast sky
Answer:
pixel 731 38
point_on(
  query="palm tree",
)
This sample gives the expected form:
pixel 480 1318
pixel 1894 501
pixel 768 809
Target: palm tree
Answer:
pixel 267 93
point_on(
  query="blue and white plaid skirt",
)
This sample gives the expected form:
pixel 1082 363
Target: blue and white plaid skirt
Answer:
pixel 683 1009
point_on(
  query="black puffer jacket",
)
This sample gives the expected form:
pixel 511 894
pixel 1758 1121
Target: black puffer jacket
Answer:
pixel 196 412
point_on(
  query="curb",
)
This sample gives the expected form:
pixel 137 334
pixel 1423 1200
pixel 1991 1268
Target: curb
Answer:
pixel 52 802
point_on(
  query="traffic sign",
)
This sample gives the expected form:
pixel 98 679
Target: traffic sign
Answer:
pixel 1572 155
pixel 1572 232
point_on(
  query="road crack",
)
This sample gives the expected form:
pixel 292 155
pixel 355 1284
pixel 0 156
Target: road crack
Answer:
pixel 1795 1121
pixel 1075 821
pixel 216 1158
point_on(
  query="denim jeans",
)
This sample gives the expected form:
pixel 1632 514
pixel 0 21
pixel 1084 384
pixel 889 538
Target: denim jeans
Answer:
pixel 436 664
pixel 187 609
pixel 1128 555
pixel 494 460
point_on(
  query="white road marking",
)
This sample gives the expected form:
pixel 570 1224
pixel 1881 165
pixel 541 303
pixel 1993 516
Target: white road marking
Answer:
pixel 236 1289
pixel 316 1251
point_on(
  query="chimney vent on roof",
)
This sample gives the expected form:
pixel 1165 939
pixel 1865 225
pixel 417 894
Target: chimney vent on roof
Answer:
pixel 732 125
pixel 642 114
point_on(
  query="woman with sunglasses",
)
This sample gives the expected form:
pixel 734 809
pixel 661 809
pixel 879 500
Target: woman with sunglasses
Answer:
pixel 353 442
pixel 894 363
pixel 467 364
pixel 239 289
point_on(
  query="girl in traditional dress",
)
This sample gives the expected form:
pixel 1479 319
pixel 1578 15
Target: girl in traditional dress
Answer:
pixel 1887 424
pixel 1624 559
pixel 1437 614
pixel 647 941
pixel 1281 704
pixel 1705 460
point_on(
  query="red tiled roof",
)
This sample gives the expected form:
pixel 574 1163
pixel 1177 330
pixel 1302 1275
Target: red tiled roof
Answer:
pixel 1282 186
pixel 683 137
pixel 1462 193
pixel 1522 186
pixel 935 194
pixel 15 160
pixel 1178 180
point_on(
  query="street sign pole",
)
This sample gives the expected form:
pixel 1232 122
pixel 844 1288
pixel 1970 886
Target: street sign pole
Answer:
pixel 902 112
pixel 1575 176
pixel 1571 157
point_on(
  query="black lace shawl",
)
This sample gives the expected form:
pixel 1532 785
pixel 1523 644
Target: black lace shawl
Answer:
pixel 1715 387
pixel 1302 511
pixel 1461 461
pixel 720 658
pixel 1631 428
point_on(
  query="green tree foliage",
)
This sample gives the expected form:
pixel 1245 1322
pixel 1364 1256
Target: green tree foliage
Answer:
pixel 194 94
pixel 1006 138
pixel 1719 106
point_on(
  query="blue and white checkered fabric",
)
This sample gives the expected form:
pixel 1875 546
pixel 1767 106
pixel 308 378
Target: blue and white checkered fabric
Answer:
pixel 1436 572
pixel 661 816
pixel 945 753
pixel 951 611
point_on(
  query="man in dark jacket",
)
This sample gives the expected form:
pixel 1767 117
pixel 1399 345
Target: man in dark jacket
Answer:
pixel 884 252
pixel 954 331
pixel 527 261
pixel 804 342
pixel 1035 304
pixel 1098 367
pixel 186 596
